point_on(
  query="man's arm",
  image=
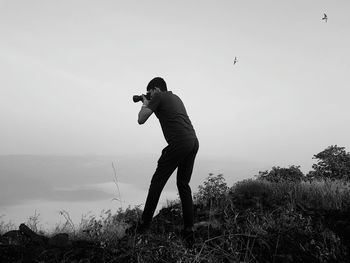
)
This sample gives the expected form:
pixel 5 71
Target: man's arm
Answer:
pixel 144 114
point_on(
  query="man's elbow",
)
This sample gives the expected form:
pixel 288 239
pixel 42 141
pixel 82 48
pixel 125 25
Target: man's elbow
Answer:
pixel 140 121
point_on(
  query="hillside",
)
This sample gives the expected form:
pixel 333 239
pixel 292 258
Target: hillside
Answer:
pixel 252 221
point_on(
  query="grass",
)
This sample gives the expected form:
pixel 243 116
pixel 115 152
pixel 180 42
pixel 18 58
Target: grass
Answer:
pixel 252 221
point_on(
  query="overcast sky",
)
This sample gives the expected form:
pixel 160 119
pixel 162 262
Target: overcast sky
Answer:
pixel 68 70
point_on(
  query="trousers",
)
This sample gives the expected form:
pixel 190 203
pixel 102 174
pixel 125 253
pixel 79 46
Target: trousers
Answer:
pixel 180 155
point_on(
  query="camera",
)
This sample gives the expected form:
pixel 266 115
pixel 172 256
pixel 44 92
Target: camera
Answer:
pixel 137 98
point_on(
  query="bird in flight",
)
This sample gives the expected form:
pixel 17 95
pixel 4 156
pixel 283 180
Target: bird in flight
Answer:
pixel 325 17
pixel 235 61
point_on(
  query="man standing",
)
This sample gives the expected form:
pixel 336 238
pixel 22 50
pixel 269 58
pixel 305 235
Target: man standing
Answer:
pixel 180 152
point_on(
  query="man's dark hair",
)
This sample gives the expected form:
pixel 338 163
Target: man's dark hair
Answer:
pixel 157 82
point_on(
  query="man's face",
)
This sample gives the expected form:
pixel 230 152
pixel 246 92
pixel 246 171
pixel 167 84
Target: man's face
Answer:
pixel 154 91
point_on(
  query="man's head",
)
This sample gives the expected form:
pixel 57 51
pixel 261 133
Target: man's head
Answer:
pixel 157 83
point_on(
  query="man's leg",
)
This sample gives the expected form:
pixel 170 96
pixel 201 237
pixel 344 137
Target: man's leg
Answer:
pixel 167 163
pixel 184 173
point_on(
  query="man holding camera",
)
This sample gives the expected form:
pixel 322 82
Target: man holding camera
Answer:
pixel 180 152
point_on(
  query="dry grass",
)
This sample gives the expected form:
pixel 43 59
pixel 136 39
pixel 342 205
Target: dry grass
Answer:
pixel 253 221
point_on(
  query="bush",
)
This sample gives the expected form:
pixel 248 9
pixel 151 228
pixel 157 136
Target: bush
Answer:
pixel 288 222
pixel 278 174
pixel 318 194
pixel 324 194
pixel 251 193
pixel 213 190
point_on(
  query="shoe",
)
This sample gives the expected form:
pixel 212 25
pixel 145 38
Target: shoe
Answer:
pixel 188 238
pixel 142 228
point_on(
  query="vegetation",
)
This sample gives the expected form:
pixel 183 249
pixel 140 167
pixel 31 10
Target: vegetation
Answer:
pixel 277 174
pixel 212 190
pixel 280 216
pixel 333 163
pixel 255 221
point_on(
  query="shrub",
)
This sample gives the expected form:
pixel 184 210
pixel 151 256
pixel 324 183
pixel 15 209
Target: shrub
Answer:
pixel 213 190
pixel 323 194
pixel 251 194
pixel 5 226
pixel 278 174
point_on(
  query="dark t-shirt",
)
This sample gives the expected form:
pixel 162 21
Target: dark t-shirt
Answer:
pixel 172 115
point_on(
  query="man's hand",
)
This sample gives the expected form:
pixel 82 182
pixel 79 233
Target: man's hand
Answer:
pixel 145 101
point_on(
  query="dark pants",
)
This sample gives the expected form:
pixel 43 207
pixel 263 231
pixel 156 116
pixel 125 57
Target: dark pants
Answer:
pixel 180 155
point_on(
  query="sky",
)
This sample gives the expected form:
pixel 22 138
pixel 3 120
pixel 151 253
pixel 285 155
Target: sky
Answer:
pixel 69 70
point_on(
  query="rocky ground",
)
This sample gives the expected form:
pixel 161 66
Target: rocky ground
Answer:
pixel 24 245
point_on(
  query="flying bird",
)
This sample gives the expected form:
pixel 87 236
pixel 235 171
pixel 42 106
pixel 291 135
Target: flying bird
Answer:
pixel 235 61
pixel 325 17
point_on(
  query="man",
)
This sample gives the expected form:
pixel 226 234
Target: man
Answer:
pixel 180 153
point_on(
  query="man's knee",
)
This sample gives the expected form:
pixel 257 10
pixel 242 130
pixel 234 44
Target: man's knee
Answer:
pixel 158 182
pixel 183 186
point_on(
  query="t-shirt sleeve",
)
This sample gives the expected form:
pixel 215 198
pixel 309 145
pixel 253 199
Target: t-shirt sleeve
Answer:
pixel 154 102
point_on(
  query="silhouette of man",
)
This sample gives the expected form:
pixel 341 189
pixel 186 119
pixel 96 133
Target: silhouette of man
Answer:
pixel 180 152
